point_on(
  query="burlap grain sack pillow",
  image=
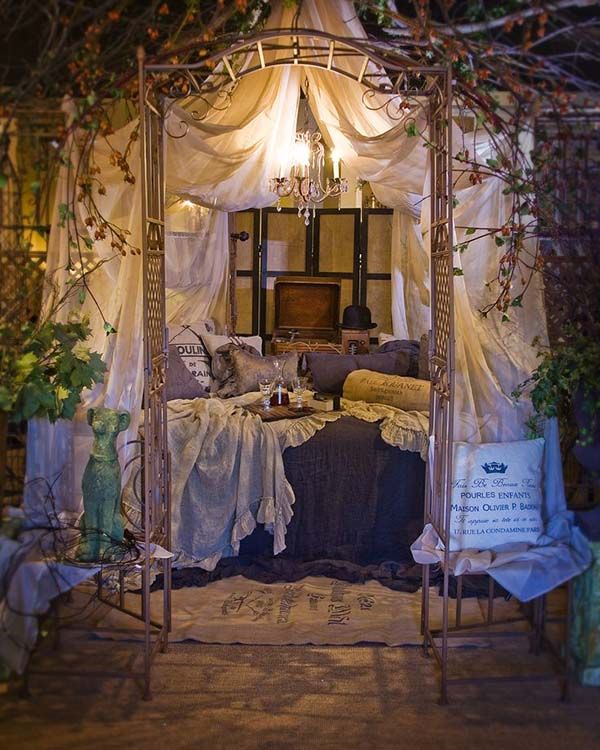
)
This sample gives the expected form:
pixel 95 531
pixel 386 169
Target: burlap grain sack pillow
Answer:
pixel 409 394
pixel 248 368
pixel 496 494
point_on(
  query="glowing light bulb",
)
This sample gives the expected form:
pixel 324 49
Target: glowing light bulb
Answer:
pixel 335 159
pixel 283 163
pixel 301 156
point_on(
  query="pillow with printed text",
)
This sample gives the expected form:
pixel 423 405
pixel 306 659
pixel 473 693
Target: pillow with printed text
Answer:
pixel 496 494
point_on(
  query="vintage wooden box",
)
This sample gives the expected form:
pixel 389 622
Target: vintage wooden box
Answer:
pixel 355 341
pixel 309 305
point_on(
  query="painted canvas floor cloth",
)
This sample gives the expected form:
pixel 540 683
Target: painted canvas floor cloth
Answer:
pixel 315 610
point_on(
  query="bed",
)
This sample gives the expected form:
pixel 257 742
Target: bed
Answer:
pixel 343 486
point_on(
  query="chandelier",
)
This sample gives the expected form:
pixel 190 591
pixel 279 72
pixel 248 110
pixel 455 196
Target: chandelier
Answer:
pixel 304 178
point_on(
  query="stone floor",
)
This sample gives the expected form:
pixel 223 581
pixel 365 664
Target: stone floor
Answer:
pixel 305 697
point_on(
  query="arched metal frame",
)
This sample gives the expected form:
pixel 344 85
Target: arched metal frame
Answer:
pixel 211 81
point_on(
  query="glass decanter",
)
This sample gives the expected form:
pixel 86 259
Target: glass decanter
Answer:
pixel 280 395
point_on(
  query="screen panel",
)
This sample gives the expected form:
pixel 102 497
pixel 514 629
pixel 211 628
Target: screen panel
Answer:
pixel 286 242
pixel 379 300
pixel 336 242
pixel 379 243
pixel 346 294
pixel 244 298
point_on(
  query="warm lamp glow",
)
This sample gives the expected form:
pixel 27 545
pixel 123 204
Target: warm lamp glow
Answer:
pixel 301 175
pixel 301 153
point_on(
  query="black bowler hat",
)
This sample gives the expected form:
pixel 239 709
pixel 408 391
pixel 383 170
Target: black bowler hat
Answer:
pixel 357 317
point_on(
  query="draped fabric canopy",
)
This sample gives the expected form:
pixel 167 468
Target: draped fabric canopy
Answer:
pixel 222 164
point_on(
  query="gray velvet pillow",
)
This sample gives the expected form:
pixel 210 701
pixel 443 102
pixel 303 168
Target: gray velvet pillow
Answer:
pixel 180 382
pixel 330 370
pixel 248 368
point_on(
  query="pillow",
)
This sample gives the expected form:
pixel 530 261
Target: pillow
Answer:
pixel 189 374
pixel 180 382
pixel 329 371
pixel 405 393
pixel 213 342
pixel 384 338
pixel 222 368
pixel 404 345
pixel 248 368
pixel 219 349
pixel 496 494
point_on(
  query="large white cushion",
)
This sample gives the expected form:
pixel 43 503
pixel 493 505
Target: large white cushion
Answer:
pixel 409 394
pixel 496 494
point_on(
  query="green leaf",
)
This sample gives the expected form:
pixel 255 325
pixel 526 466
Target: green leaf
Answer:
pixel 499 241
pixel 492 163
pixel 505 318
pixel 3 181
pixel 62 393
pixel 64 213
pixel 109 328
pixel 411 129
pixel 81 296
pixel 7 399
pixel 25 364
pixel 457 271
pixel 517 302
pixel 470 230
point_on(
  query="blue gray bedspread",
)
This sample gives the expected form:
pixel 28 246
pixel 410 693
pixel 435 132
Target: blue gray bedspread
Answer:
pixel 358 499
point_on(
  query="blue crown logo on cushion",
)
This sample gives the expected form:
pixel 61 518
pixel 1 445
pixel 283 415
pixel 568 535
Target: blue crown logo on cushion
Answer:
pixel 493 467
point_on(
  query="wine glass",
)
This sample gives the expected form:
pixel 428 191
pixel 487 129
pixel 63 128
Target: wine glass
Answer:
pixel 265 386
pixel 278 365
pixel 299 385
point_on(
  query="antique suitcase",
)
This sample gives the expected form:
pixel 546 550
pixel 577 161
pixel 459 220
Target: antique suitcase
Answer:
pixel 307 307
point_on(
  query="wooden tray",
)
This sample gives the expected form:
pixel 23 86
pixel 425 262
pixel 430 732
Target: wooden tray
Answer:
pixel 278 412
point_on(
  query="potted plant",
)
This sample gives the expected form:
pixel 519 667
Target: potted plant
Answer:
pixel 566 384
pixel 44 367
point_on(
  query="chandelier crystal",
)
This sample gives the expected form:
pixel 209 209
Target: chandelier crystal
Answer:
pixel 304 178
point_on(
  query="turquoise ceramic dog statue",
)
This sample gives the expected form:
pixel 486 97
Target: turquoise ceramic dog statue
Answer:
pixel 102 523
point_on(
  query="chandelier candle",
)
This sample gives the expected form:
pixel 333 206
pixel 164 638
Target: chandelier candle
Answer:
pixel 305 179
